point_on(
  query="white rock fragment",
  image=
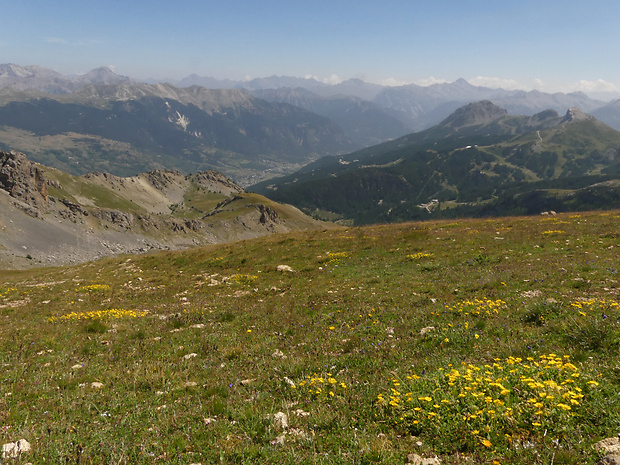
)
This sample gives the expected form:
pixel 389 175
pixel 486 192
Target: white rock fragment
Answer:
pixel 188 356
pixel 278 354
pixel 285 268
pixel 609 445
pixel 298 432
pixel 280 421
pixel 289 381
pixel 428 329
pixel 279 440
pixel 13 450
pixel 415 459
pixel 96 385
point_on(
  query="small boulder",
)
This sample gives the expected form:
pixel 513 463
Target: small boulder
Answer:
pixel 428 329
pixel 415 459
pixel 13 450
pixel 280 421
pixel 611 459
pixel 609 445
pixel 285 268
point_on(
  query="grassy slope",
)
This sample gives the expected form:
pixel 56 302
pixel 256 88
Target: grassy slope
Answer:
pixel 186 346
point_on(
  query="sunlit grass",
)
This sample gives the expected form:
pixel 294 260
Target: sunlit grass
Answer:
pixel 478 340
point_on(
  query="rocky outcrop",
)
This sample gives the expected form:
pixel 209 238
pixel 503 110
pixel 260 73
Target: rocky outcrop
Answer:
pixel 115 217
pixel 214 181
pixel 100 214
pixel 267 215
pixel 23 180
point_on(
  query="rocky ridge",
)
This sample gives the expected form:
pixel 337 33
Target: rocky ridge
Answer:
pixel 48 217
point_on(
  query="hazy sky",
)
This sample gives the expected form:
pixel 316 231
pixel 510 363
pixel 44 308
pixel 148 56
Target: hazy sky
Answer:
pixel 551 45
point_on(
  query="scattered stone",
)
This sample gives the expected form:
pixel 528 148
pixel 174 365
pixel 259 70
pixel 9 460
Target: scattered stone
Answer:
pixel 609 445
pixel 278 441
pixel 428 329
pixel 245 382
pixel 190 384
pixel 300 413
pixel 415 459
pixel 208 421
pixel 13 450
pixel 611 459
pixel 188 356
pixel 298 432
pixel 285 268
pixel 96 385
pixel 280 421
pixel 278 354
pixel 531 294
pixel 198 326
pixel 289 381
pixel 76 367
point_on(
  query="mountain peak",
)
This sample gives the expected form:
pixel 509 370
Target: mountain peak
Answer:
pixel 474 114
pixel 575 114
pixel 103 75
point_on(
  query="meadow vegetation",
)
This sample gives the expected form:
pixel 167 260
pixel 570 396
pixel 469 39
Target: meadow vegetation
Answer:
pixel 479 341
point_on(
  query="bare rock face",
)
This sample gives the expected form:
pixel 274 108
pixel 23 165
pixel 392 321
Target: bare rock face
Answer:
pixel 23 180
pixel 575 114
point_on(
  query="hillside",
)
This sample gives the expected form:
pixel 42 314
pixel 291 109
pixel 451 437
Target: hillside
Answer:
pixel 479 161
pixel 475 341
pixel 49 217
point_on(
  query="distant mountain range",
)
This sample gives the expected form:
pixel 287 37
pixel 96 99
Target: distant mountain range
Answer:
pixel 249 130
pixel 478 161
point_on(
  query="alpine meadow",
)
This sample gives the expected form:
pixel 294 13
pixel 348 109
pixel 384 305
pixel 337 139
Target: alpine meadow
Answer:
pixel 475 341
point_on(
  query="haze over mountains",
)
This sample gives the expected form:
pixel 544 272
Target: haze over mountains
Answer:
pixel 417 107
pixel 263 128
pixel 478 161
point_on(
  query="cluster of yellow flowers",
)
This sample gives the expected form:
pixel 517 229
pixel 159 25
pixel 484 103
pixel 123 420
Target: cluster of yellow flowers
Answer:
pixel 497 402
pixel 322 386
pixel 419 255
pixel 553 231
pixel 599 305
pixel 333 258
pixel 244 279
pixel 478 307
pixel 94 287
pixel 112 313
pixel 5 291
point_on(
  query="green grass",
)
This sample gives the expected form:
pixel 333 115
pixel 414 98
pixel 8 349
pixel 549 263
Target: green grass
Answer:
pixel 198 350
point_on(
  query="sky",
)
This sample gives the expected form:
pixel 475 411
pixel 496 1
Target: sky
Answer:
pixel 550 45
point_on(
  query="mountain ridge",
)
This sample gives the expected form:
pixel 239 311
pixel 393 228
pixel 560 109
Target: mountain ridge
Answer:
pixel 48 217
pixel 418 107
pixel 478 161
